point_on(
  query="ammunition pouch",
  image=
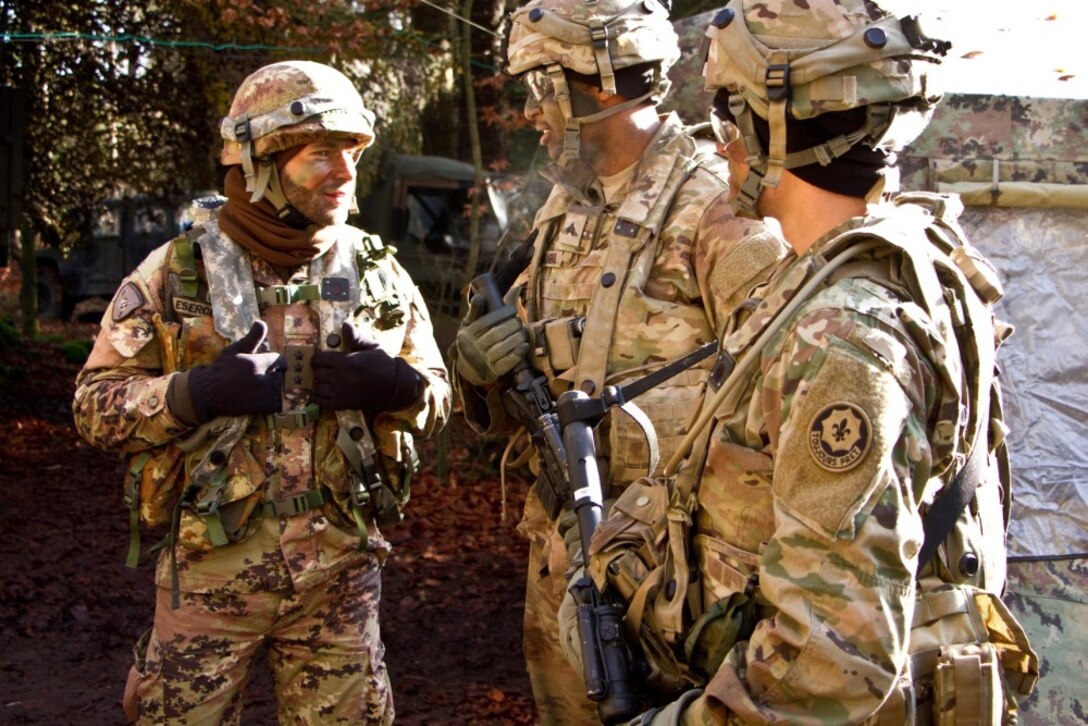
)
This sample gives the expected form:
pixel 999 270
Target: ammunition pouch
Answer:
pixel 367 483
pixel 641 552
pixel 556 344
pixel 970 661
pixel 225 481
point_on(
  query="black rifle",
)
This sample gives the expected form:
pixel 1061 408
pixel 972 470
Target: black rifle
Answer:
pixel 529 402
pixel 568 469
pixel 605 665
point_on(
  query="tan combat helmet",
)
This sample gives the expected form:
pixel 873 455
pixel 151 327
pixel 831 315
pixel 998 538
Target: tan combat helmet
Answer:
pixel 779 61
pixel 289 104
pixel 595 38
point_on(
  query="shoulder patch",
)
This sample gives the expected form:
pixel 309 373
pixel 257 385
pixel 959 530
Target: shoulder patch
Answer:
pixel 127 301
pixel 839 436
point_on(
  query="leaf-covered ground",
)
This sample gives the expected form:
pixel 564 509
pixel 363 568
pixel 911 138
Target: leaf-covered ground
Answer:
pixel 70 610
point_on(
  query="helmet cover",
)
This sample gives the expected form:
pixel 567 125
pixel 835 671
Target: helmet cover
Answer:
pixel 290 104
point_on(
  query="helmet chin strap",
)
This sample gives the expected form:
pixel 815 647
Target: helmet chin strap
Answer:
pixel 575 171
pixel 747 197
pixel 765 170
pixel 263 182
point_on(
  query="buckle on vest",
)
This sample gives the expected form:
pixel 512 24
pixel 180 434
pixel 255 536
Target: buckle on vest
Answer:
pixel 286 294
pixel 290 506
pixel 297 419
pixel 777 80
pixel 598 36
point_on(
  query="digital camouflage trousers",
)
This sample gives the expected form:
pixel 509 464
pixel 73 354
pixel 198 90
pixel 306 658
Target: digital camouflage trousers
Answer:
pixel 324 648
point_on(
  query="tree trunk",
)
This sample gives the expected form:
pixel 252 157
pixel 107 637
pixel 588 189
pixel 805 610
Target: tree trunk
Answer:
pixel 477 152
pixel 28 295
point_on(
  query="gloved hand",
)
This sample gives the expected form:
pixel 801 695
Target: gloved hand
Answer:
pixel 363 377
pixel 571 533
pixel 239 382
pixel 569 640
pixel 567 526
pixel 689 708
pixel 489 346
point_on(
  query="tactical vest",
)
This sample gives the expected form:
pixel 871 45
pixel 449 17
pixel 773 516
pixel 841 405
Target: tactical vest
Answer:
pixel 210 487
pixel 590 279
pixel 963 639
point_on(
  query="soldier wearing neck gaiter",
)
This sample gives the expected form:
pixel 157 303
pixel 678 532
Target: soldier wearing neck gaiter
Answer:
pixel 264 375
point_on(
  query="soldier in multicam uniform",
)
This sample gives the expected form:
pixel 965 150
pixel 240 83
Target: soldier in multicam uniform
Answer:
pixel 846 404
pixel 636 253
pixel 273 457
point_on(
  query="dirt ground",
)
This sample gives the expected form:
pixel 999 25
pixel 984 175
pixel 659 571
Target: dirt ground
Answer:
pixel 70 610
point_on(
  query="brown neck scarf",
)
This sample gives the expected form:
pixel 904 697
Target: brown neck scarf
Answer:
pixel 257 228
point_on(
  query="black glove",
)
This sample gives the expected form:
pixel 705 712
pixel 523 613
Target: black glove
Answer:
pixel 239 382
pixel 364 377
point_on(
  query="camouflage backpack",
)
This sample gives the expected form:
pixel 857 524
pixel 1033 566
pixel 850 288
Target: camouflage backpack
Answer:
pixel 645 549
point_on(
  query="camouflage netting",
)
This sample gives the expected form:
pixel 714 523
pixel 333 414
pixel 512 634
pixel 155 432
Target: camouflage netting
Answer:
pixel 1021 165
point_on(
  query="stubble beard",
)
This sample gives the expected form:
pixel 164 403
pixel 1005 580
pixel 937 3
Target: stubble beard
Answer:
pixel 310 204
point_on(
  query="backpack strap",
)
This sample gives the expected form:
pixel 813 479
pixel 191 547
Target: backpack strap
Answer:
pixel 739 367
pixel 133 477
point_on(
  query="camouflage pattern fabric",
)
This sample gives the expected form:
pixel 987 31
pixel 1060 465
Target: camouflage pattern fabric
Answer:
pixel 1049 599
pixel 688 96
pixel 543 32
pixel 817 469
pixel 324 647
pixel 155 327
pixel 700 264
pixel 985 139
pixel 333 108
pixel 829 73
pixel 559 693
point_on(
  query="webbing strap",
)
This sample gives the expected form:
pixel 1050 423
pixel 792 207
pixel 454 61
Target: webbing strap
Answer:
pixel 355 442
pixel 287 294
pixel 290 506
pixel 207 508
pixel 599 38
pixel 132 500
pixel 186 258
pixel 777 79
pixel 212 468
pixel 296 419
pixel 601 314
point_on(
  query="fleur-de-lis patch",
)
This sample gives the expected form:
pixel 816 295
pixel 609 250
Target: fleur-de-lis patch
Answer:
pixel 839 436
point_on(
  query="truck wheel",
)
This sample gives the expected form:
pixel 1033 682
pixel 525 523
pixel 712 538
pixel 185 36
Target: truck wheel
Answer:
pixel 50 293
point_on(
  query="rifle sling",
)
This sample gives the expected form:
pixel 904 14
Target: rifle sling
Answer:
pixel 651 380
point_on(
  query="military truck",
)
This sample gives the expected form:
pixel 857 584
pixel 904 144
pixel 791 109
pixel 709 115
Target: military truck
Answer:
pixel 1020 166
pixel 419 205
pixel 123 232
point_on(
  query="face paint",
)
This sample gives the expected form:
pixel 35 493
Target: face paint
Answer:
pixel 319 180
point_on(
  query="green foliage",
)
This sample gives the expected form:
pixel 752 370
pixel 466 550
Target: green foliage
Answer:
pixel 76 351
pixel 9 334
pixel 131 103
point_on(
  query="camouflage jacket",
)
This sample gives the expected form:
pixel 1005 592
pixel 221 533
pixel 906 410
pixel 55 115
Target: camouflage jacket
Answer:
pixel 819 468
pixel 165 319
pixel 654 276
